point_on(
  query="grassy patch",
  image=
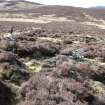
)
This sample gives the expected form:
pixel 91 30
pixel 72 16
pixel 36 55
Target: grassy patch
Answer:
pixel 24 5
pixel 33 65
pixel 97 87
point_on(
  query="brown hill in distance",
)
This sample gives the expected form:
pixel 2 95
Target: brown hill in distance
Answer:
pixel 17 5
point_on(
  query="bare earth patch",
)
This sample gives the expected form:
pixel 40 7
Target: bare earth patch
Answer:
pixel 94 22
pixel 54 40
pixel 101 26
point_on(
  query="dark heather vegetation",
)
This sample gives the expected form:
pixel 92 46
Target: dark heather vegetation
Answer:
pixel 58 61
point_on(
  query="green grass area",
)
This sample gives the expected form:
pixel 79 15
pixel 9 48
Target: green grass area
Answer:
pixel 24 5
pixel 33 66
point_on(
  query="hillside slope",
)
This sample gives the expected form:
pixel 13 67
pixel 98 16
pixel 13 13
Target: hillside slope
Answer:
pixel 17 5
